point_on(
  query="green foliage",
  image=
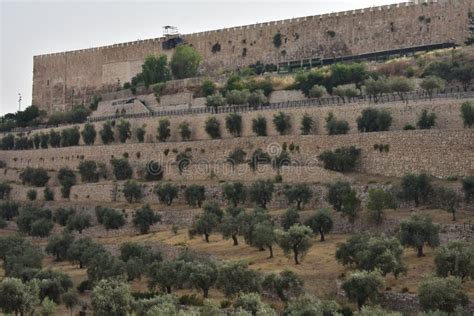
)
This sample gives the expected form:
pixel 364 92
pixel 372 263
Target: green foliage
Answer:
pixel 36 141
pixel 418 231
pixel 215 101
pixel 203 275
pixel 372 253
pixel 89 134
pixel 166 193
pixel 299 193
pixel 282 123
pixel 432 83
pixel 307 124
pixel 195 195
pixel 296 241
pixel 348 91
pixel 426 121
pixel 88 171
pixel 153 171
pixel 446 199
pixel 304 305
pixel 17 297
pixel 184 130
pixel 103 265
pixel 317 91
pixel 205 223
pixel 321 223
pixel 401 86
pixel 455 259
pixel 290 218
pixel 375 88
pixel 62 215
pixel 237 157
pixel 58 245
pixel 144 217
pixel 374 120
pixel 416 188
pixel 337 193
pixel 121 168
pixel 342 159
pixel 185 62
pixel 34 221
pixel 79 222
pixel 236 277
pixel 8 142
pixel 67 179
pixel 232 223
pixel 183 159
pixel 213 127
pixel 18 255
pixel 336 127
pixel 154 70
pixel 379 200
pixel 467 186
pixel 467 113
pixel 233 124
pixel 140 132
pixel 111 297
pixel 277 40
pixel 363 286
pixel 261 192
pixel 70 299
pixel 8 210
pixel 234 192
pixel 54 139
pixel 48 194
pixel 5 189
pixel 70 136
pixel 31 195
pixel 251 304
pixel 237 97
pixel 107 133
pixel 83 250
pixel 286 285
pixel 259 126
pixel 208 88
pixel 259 97
pixel 163 130
pixel 132 191
pixel 444 294
pixel 44 137
pixel 37 177
pixel 77 115
pixel 124 130
pixel 110 218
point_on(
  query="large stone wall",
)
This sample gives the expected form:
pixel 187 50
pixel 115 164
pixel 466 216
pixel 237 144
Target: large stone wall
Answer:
pixel 441 153
pixel 63 79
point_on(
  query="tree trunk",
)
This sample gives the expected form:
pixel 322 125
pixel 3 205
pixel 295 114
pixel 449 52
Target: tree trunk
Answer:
pixel 206 236
pixel 420 251
pixel 168 289
pixel 295 252
pixel 205 293
pixel 298 205
pixel 236 242
pixel 454 215
pixel 322 234
pixel 271 251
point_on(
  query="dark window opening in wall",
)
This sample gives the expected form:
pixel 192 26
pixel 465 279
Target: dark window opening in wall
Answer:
pixel 216 48
pixel 244 52
pixel 392 27
pixel 331 33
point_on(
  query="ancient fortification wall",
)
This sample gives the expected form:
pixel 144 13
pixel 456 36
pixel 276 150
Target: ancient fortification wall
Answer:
pixel 63 79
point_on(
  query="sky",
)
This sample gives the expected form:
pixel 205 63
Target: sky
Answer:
pixel 29 28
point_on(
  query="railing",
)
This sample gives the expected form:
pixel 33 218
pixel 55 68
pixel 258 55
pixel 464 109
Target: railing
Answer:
pixel 320 102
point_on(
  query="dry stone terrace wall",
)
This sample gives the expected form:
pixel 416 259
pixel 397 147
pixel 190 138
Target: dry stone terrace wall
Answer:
pixel 447 112
pixel 441 153
pixel 63 79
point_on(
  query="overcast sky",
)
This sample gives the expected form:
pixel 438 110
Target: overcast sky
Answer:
pixel 31 28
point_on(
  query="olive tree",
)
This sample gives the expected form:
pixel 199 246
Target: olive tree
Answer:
pixel 237 277
pixel 298 193
pixel 111 297
pixel 418 231
pixel 234 192
pixel 17 297
pixel 261 192
pixel 363 286
pixel 456 259
pixel 321 223
pixel 145 217
pixel 195 195
pixel 166 193
pixel 443 294
pixel 296 241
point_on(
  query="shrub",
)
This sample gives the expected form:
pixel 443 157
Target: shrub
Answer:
pixel 184 131
pixel 121 168
pixel 140 132
pixel 144 217
pixel 443 294
pixel 88 171
pixel 8 210
pixel 431 84
pixel 363 286
pixel 212 128
pixel 5 189
pixel 153 171
pixel 237 157
pixel 342 159
pixel 8 142
pixel 282 123
pixel 132 191
pixel 467 113
pixel 467 185
pixel 426 121
pixel 62 215
pixel 166 193
pixel 215 101
pixel 67 179
pixel 233 124
pixel 107 133
pixel 37 177
pixel 418 231
pixel 348 91
pixel 317 91
pixel 195 195
pixel 259 126
pixel 336 127
pixel 185 62
pixel 36 141
pixel 70 136
pixel 44 140
pixel 259 157
pixel 34 221
pixel 48 194
pixel 416 188
pixel 374 120
pixel 31 194
pixel 307 124
pixel 124 130
pixel 111 297
pixel 183 160
pixel 237 97
pixel 154 70
pixel 110 218
pixel 164 131
pixel 54 139
pixel 258 98
pixel 88 134
pixel 208 88
pixel 237 277
pixel 286 285
pixel 409 127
